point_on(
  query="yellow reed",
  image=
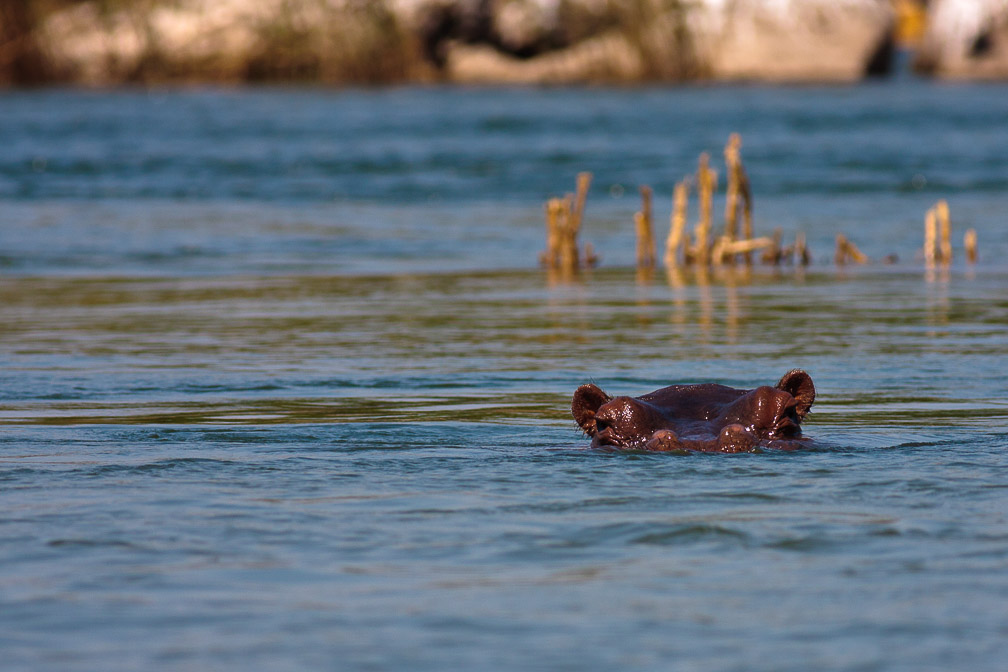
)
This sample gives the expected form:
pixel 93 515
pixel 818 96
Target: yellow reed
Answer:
pixel 706 186
pixel 732 163
pixel 737 188
pixel 563 222
pixel 772 255
pixel 970 244
pixel 645 239
pixel 551 256
pixel 584 180
pixel 726 250
pixel 801 251
pixel 680 201
pixel 930 237
pixel 848 251
pixel 944 231
pixel 568 235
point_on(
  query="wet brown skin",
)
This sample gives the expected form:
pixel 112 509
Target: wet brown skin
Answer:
pixel 706 418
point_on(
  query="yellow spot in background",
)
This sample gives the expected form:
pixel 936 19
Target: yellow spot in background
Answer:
pixel 911 18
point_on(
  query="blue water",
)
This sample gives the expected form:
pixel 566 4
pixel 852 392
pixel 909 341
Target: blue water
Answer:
pixel 282 386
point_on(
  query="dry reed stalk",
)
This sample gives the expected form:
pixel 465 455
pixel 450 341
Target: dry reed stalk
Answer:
pixel 726 249
pixel 801 251
pixel 717 252
pixel 732 162
pixel 945 231
pixel 646 193
pixel 680 201
pixel 706 186
pixel 563 223
pixel 930 237
pixel 750 245
pixel 551 257
pixel 645 239
pixel 970 243
pixel 747 231
pixel 772 255
pixel 848 251
pixel 737 188
pixel 577 214
pixel 568 235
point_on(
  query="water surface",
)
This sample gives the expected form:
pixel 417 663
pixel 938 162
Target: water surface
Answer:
pixel 282 386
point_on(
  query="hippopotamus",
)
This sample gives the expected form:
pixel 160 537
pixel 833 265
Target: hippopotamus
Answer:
pixel 706 418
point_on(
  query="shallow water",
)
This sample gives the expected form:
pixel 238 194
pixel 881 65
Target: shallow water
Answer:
pixel 283 387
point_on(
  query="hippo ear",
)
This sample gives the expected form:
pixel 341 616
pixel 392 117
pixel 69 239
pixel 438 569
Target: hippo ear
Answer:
pixel 799 385
pixel 587 400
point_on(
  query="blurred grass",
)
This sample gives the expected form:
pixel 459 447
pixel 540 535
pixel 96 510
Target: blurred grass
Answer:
pixel 368 44
pixel 358 42
pixel 352 42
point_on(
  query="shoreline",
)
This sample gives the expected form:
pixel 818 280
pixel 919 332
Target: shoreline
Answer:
pixel 528 42
pixel 341 43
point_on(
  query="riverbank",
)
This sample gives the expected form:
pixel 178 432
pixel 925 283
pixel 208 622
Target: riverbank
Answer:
pixel 352 42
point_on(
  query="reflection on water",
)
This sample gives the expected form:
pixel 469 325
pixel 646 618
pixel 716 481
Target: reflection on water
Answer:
pixel 727 280
pixel 938 302
pixel 482 346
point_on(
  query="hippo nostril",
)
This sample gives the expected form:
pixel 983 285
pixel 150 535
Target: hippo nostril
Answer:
pixel 787 429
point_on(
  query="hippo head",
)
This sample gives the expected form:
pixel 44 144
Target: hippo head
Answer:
pixel 706 417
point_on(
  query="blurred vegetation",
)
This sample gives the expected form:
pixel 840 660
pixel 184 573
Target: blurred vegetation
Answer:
pixel 20 59
pixel 359 41
pixel 658 29
pixel 325 41
pixel 367 44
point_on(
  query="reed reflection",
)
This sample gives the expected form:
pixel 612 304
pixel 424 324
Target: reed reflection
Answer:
pixel 707 281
